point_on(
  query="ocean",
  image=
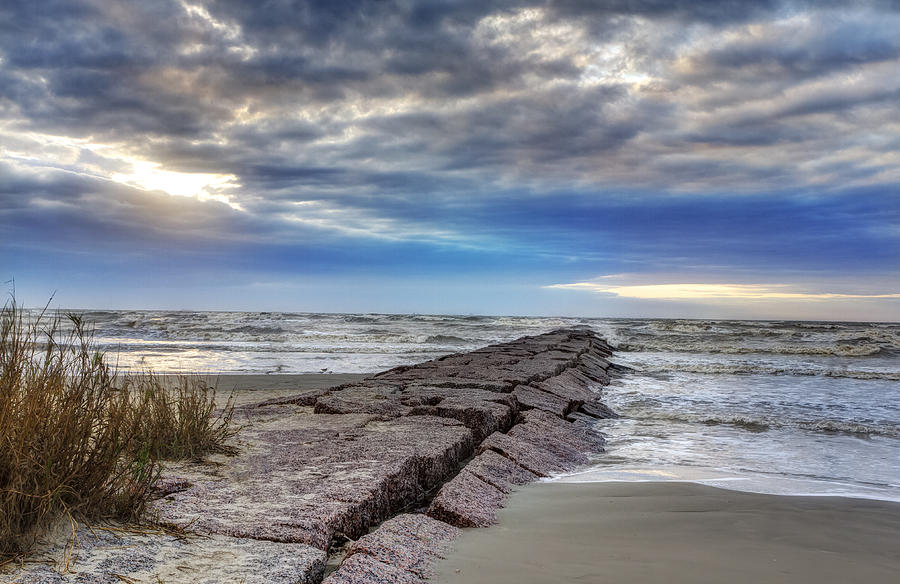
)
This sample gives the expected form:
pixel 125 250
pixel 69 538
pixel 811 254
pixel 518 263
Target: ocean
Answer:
pixel 765 406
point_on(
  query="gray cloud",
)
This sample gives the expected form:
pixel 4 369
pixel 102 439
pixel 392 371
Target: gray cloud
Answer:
pixel 369 105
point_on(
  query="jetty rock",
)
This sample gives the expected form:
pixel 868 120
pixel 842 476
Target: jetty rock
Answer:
pixel 386 469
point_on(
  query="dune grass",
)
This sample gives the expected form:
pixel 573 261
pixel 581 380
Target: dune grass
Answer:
pixel 76 438
pixel 176 419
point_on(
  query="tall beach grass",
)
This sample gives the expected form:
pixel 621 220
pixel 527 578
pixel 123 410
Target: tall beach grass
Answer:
pixel 78 439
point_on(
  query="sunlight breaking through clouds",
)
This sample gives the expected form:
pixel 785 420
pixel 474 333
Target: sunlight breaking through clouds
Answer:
pixel 83 157
pixel 150 176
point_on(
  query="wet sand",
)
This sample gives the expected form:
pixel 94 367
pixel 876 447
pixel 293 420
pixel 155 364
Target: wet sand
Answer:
pixel 678 533
pixel 254 388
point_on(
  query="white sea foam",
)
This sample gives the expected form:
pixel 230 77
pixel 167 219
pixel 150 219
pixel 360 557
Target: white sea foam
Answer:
pixel 860 349
pixel 756 368
pixel 762 423
pixel 735 481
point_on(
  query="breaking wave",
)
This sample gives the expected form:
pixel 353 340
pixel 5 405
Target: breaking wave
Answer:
pixel 446 340
pixel 757 369
pixel 837 350
pixel 762 424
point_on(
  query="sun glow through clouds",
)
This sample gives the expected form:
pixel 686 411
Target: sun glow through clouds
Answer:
pixel 82 156
pixel 150 176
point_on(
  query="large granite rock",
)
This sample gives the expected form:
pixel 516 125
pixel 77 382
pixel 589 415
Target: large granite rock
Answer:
pixel 598 410
pixel 499 472
pixel 595 367
pixel 502 367
pixel 408 543
pixel 530 397
pixel 571 385
pixel 545 444
pixel 303 398
pixel 537 424
pixel 522 452
pixel 365 569
pixel 467 501
pixel 542 443
pixel 378 400
pixel 482 411
pixel 318 476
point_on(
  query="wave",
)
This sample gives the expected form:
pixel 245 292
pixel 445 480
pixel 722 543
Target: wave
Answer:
pixel 167 347
pixel 837 350
pixel 887 338
pixel 681 326
pixel 752 424
pixel 448 340
pixel 755 369
pixel 741 337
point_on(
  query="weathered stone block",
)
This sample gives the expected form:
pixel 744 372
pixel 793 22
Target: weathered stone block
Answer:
pixel 410 542
pixel 594 367
pixel 467 501
pixel 571 384
pixel 581 438
pixel 498 471
pixel 563 450
pixel 360 399
pixel 598 409
pixel 525 454
pixel 483 412
pixel 364 569
pixel 533 398
pixel 328 474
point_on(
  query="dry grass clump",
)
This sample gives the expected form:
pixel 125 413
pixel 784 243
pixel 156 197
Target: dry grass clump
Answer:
pixel 76 438
pixel 65 431
pixel 176 420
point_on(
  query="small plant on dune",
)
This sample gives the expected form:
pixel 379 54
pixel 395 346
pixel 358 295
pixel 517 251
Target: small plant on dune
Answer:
pixel 176 420
pixel 78 439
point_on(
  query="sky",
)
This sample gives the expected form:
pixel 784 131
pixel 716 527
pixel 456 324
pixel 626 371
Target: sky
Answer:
pixel 690 159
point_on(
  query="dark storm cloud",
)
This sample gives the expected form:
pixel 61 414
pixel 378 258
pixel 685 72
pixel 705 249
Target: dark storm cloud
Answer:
pixel 788 53
pixel 182 77
pixel 710 11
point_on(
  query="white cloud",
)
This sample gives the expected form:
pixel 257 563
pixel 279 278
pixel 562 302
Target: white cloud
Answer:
pixel 712 292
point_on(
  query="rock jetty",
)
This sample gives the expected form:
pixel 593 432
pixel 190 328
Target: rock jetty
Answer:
pixel 380 473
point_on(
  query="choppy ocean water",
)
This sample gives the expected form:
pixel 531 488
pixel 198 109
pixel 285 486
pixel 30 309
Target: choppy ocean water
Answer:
pixel 770 406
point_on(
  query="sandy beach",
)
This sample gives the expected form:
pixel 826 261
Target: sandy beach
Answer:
pixel 678 532
pixel 253 388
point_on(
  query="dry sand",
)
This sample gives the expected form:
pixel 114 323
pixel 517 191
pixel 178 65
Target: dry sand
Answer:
pixel 678 532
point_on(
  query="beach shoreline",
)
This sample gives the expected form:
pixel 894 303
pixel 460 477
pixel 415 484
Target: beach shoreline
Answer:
pixel 677 532
pixel 359 478
pixel 251 388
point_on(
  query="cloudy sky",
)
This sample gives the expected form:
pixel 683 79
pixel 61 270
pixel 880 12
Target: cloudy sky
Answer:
pixel 691 158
